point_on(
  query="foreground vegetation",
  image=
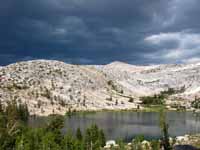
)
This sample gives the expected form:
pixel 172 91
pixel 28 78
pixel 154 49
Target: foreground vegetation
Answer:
pixel 15 134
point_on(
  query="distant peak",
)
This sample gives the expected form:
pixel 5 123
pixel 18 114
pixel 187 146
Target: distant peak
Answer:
pixel 118 63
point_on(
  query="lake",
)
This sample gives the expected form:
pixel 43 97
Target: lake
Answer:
pixel 127 124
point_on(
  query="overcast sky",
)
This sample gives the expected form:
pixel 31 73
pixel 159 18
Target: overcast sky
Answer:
pixel 100 31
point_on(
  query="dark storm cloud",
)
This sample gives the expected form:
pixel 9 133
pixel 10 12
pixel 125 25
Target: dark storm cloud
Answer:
pixel 93 31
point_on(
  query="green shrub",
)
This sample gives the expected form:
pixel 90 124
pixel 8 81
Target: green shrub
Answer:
pixel 152 100
pixel 158 99
pixel 196 103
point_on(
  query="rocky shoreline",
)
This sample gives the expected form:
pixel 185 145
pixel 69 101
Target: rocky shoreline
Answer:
pixel 191 142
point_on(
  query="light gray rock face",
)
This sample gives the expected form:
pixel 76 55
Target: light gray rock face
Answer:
pixel 151 79
pixel 53 87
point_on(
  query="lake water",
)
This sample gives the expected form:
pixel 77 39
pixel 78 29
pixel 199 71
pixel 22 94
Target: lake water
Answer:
pixel 127 125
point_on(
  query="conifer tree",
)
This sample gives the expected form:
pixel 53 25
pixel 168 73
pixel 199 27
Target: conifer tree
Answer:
pixel 79 134
pixel 164 129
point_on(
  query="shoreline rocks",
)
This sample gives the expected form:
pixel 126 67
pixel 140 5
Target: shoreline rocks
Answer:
pixel 186 142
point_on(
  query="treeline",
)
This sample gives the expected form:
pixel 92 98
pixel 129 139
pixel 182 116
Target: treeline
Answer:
pixel 15 134
pixel 159 99
pixel 156 99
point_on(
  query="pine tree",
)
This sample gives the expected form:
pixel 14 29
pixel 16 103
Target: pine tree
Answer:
pixel 23 112
pixel 94 133
pixel 87 140
pixel 102 138
pixel 69 143
pixel 164 128
pixel 79 134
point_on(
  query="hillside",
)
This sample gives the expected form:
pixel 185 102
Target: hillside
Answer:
pixel 55 87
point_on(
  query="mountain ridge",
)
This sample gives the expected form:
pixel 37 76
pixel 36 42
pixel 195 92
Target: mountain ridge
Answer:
pixel 50 86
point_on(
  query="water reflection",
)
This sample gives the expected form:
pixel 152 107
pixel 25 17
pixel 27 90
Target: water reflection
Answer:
pixel 127 125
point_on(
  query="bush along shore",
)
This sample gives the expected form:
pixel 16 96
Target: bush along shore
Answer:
pixel 15 134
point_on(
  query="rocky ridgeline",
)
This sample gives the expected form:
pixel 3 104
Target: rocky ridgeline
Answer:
pixel 149 80
pixel 55 87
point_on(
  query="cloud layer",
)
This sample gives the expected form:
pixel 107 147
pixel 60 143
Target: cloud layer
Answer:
pixel 98 32
pixel 176 47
